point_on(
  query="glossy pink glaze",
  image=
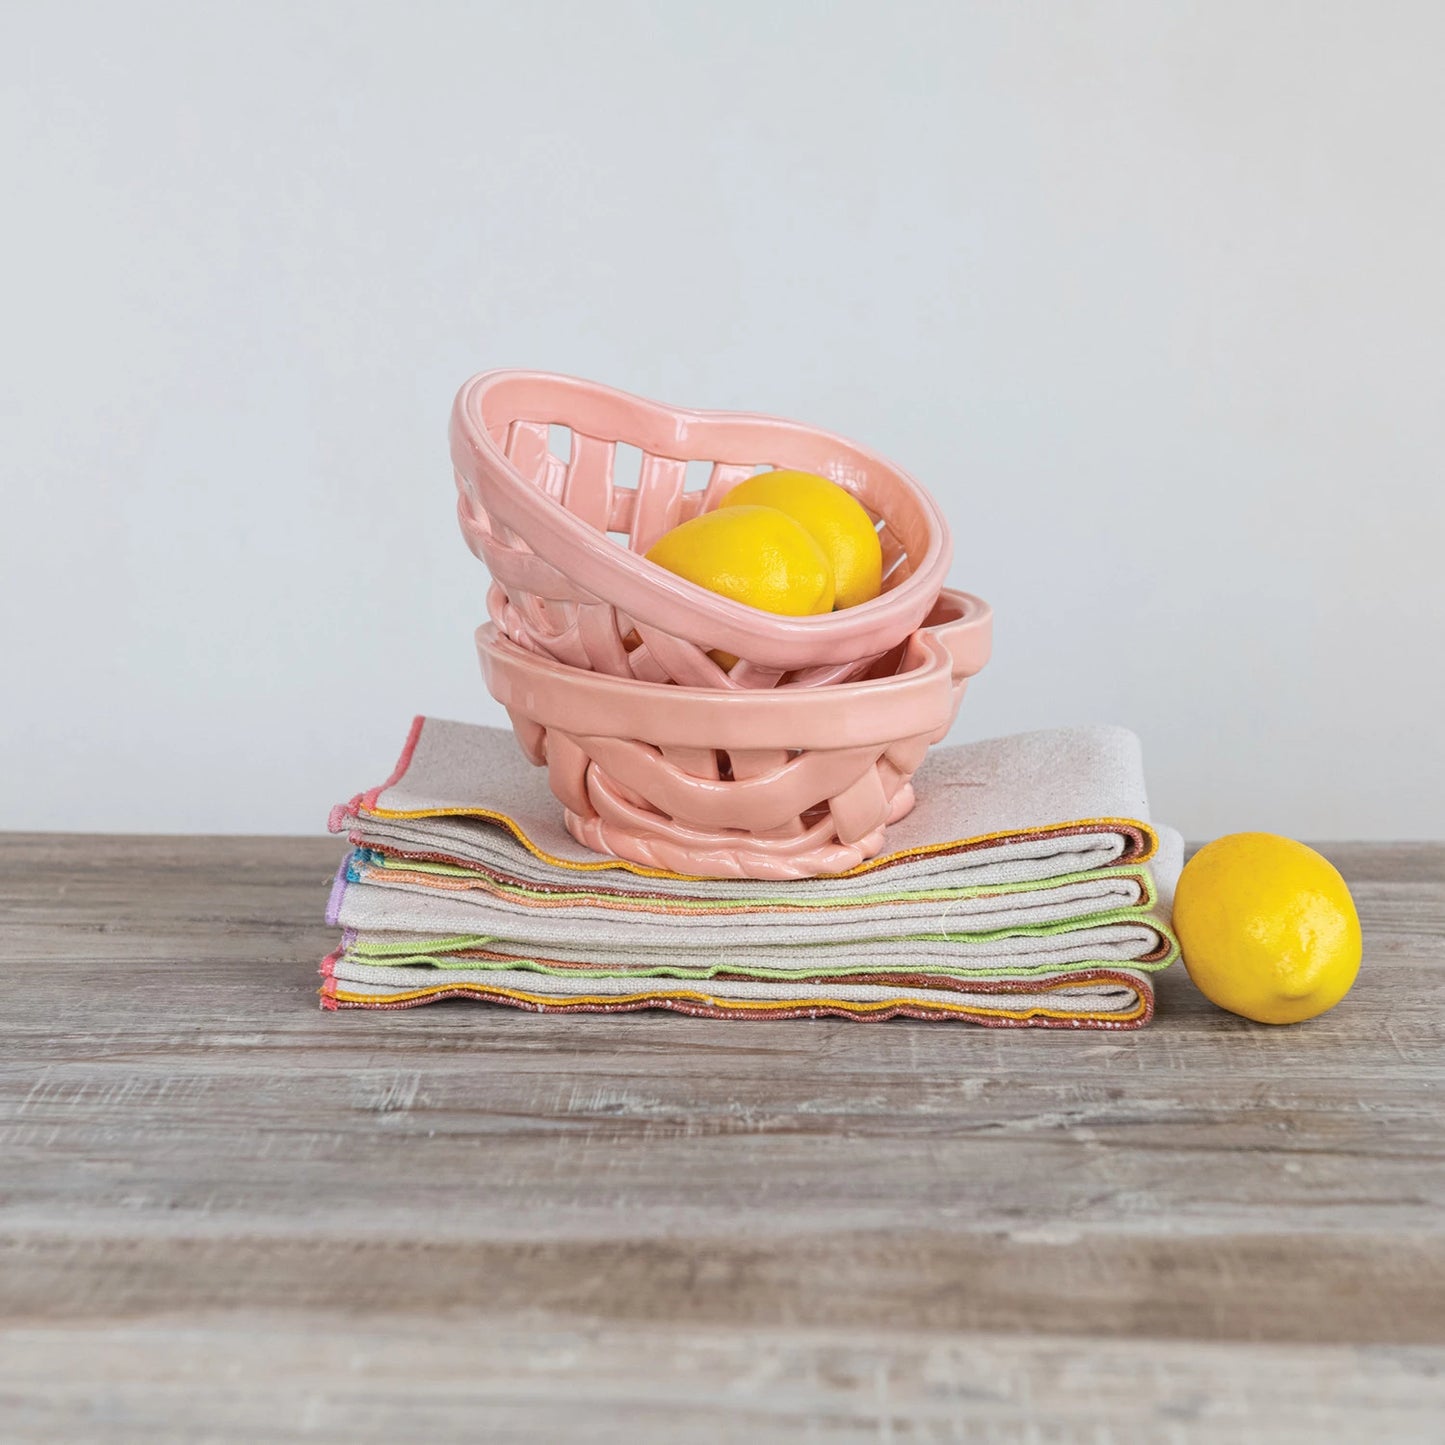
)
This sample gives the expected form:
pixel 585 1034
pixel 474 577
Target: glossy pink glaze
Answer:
pixel 565 590
pixel 779 783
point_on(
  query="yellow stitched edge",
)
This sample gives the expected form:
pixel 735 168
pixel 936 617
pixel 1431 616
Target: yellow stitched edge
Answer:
pixel 714 1002
pixel 1151 846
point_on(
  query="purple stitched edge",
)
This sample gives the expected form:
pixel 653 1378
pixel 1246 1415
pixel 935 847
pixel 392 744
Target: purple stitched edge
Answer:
pixel 338 889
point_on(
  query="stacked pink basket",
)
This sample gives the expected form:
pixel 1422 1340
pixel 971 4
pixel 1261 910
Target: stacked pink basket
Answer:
pixel 788 765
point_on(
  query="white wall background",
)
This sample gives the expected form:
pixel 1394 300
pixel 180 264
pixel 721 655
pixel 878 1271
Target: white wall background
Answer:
pixel 1151 295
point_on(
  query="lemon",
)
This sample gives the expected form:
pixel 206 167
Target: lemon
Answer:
pixel 836 519
pixel 756 555
pixel 1268 928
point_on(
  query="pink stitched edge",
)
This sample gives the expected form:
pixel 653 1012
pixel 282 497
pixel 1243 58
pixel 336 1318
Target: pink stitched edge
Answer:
pixel 328 985
pixel 368 798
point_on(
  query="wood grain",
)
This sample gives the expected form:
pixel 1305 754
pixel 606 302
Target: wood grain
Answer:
pixel 225 1215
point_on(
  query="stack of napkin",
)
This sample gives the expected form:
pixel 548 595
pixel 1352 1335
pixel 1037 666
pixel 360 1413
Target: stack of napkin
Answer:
pixel 1026 888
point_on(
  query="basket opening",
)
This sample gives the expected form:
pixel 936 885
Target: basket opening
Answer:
pixel 699 473
pixel 726 772
pixel 889 665
pixel 626 465
pixel 559 442
pixel 897 574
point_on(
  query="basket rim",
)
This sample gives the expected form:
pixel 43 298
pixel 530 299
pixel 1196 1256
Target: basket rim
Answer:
pixel 869 713
pixel 640 587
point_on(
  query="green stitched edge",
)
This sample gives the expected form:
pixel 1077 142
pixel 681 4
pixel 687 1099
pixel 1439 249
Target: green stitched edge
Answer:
pixel 1030 930
pixel 732 905
pixel 779 975
pixel 435 955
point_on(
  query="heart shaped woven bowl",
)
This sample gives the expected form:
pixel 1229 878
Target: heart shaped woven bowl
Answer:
pixel 566 590
pixel 777 783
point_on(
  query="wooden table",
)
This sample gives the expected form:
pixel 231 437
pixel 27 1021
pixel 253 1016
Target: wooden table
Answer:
pixel 225 1215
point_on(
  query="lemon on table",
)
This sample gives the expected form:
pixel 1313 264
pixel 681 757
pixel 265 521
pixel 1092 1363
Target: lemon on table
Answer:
pixel 836 520
pixel 756 555
pixel 1268 928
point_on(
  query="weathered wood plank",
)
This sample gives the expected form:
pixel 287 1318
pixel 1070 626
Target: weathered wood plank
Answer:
pixel 1037 1280
pixel 293 1377
pixel 816 1231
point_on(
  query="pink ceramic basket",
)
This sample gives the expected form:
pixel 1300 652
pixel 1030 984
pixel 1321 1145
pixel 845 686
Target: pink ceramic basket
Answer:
pixel 783 783
pixel 565 590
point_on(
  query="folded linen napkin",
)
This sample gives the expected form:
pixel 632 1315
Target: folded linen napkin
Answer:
pixel 1092 998
pixel 1009 810
pixel 1016 892
pixel 940 929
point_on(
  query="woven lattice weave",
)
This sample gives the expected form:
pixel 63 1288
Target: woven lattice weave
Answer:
pixel 566 590
pixel 771 784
